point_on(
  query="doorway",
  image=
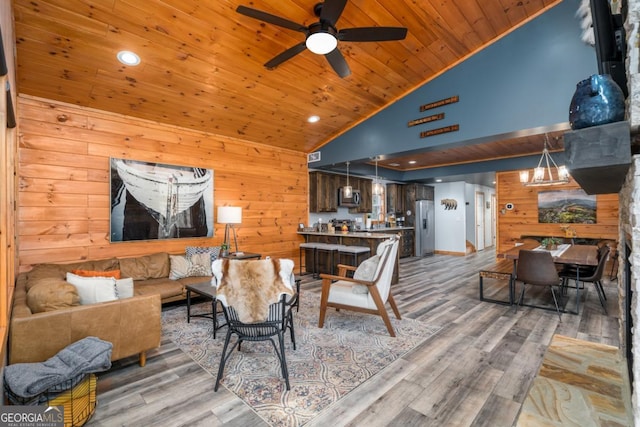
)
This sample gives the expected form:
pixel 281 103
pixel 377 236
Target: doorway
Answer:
pixel 480 230
pixel 493 219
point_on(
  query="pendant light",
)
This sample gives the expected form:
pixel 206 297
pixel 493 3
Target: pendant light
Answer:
pixel 347 190
pixel 377 187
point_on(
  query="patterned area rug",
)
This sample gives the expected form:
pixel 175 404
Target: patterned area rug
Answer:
pixel 327 364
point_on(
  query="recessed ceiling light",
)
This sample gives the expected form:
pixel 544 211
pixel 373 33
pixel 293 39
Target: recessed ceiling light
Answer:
pixel 128 58
pixel 412 162
pixel 394 164
pixel 438 180
pixel 313 119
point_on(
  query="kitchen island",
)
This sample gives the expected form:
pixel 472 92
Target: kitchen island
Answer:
pixel 370 239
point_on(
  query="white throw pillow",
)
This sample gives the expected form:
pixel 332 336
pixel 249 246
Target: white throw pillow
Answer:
pixel 183 266
pixel 365 271
pixel 94 289
pixel 179 267
pixel 124 287
pixel 200 265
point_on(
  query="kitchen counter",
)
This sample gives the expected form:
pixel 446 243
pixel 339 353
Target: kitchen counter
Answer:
pixel 376 233
pixel 370 238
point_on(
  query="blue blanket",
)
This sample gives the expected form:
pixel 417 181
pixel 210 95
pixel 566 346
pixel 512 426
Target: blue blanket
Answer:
pixel 86 356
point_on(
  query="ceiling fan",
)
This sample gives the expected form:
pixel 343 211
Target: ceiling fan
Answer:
pixel 322 37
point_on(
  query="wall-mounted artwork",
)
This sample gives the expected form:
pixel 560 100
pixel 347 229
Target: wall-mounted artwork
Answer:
pixel 566 207
pixel 157 201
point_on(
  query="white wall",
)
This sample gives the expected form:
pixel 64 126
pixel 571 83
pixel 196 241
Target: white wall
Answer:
pixel 455 227
pixel 450 224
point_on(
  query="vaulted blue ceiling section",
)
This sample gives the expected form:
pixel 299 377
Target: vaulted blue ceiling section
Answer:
pixel 520 84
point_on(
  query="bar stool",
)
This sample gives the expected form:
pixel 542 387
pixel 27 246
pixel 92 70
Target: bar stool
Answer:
pixel 353 252
pixel 331 250
pixel 306 248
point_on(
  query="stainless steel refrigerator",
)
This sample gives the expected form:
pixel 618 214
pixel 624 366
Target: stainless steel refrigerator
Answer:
pixel 425 228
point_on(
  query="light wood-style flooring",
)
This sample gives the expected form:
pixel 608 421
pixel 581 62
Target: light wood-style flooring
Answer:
pixel 476 371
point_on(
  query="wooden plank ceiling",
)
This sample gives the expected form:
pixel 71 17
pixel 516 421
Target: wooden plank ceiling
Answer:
pixel 202 62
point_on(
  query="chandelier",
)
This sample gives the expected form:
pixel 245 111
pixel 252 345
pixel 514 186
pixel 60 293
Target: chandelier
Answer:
pixel 547 172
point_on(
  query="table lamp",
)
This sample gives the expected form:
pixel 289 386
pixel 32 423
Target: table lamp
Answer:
pixel 230 215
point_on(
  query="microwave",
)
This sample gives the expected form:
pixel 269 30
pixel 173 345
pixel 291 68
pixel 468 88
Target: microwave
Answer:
pixel 349 202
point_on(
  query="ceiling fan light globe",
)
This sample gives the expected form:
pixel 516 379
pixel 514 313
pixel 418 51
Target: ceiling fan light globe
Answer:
pixel 321 43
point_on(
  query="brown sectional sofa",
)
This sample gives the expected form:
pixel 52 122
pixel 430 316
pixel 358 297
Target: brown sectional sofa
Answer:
pixel 133 324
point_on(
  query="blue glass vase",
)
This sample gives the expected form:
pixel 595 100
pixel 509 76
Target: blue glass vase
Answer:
pixel 597 100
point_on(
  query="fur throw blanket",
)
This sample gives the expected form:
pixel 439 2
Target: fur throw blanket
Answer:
pixel 250 286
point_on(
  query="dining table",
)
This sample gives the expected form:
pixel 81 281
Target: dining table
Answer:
pixel 580 256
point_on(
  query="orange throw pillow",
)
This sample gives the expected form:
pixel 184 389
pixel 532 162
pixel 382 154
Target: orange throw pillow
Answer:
pixel 90 273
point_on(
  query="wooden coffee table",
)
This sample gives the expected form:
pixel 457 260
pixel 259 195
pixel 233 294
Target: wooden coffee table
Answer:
pixel 208 291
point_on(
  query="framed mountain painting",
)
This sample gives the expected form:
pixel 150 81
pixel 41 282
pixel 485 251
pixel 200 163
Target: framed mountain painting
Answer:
pixel 566 207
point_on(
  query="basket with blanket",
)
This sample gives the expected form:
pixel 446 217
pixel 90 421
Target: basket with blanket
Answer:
pixel 65 380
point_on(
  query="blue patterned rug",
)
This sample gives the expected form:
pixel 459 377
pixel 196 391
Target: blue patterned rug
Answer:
pixel 327 364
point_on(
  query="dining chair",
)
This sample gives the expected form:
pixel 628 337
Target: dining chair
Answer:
pixel 536 268
pixel 257 297
pixel 594 276
pixel 368 290
pixel 571 270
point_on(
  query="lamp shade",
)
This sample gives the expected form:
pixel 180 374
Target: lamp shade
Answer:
pixel 229 215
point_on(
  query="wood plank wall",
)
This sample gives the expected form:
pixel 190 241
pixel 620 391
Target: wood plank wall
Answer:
pixel 523 219
pixel 8 191
pixel 64 200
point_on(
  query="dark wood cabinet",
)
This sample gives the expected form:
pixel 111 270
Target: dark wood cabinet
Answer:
pixel 424 192
pixel 415 192
pixel 324 187
pixel 406 247
pixel 412 193
pixel 406 243
pixel 323 192
pixel 395 198
pixel 366 196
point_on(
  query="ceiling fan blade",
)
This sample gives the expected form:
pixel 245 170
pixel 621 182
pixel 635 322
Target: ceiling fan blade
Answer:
pixel 372 34
pixel 272 19
pixel 331 10
pixel 286 55
pixel 338 63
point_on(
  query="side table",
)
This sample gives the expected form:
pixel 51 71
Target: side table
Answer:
pixel 205 290
pixel 242 255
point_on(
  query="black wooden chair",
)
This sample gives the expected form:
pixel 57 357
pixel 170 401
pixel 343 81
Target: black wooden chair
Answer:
pixel 279 316
pixel 275 327
pixel 536 268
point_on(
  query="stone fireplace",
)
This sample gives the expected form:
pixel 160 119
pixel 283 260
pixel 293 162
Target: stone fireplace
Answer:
pixel 629 278
pixel 629 218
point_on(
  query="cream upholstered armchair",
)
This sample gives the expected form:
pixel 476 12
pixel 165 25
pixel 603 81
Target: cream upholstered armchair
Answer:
pixel 369 289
